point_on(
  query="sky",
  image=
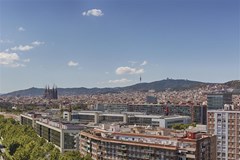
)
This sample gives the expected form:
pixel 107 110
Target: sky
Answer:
pixel 111 43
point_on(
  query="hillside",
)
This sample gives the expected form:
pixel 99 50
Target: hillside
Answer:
pixel 167 84
pixel 233 84
pixel 163 85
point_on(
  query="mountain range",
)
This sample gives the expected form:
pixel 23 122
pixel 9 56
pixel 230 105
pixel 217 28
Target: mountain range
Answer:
pixel 162 85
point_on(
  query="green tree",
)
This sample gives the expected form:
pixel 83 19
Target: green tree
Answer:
pixel 73 155
pixel 22 143
pixel 13 147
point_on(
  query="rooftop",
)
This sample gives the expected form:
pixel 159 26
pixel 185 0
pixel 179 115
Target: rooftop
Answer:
pixel 141 135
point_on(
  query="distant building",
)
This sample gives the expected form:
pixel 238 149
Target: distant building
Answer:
pixel 217 100
pixel 126 118
pixel 144 143
pixel 50 93
pixel 151 100
pixel 198 113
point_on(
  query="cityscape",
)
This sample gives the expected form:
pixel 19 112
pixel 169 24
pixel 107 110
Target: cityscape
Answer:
pixel 119 80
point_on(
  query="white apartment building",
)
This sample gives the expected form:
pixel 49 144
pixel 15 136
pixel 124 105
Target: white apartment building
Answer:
pixel 225 124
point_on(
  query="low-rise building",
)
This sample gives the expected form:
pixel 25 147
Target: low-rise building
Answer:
pixel 198 113
pixel 64 135
pixel 126 118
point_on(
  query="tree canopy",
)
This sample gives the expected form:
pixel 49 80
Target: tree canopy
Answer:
pixel 183 126
pixel 22 143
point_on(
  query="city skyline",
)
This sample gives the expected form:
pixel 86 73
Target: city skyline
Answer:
pixel 105 43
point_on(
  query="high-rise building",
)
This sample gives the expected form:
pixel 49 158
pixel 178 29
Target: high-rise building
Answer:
pixel 139 143
pixel 226 125
pixel 217 100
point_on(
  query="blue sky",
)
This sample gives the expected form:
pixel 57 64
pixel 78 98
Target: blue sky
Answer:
pixel 108 43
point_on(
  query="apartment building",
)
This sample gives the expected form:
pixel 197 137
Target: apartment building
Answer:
pixel 140 143
pixel 225 124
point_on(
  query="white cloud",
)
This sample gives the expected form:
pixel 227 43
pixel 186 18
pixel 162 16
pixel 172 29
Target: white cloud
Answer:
pixel 5 41
pixel 93 12
pixel 123 80
pixel 17 65
pixel 128 70
pixel 37 43
pixel 144 63
pixel 21 29
pixel 22 48
pixel 26 47
pixel 26 60
pixel 72 64
pixel 10 60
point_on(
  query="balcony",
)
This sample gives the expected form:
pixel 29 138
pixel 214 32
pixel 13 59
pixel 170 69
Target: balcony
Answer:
pixel 190 156
pixel 84 149
pixel 231 151
pixel 121 154
pixel 145 157
pixel 149 151
pixel 190 149
pixel 94 148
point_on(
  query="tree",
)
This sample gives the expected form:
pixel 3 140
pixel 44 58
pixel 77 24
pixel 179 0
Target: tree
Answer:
pixel 72 155
pixel 22 143
pixel 13 147
pixel 182 126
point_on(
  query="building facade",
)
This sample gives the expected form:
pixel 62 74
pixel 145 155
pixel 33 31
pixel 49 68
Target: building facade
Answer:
pixel 131 118
pixel 64 135
pixel 102 145
pixel 218 100
pixel 29 119
pixel 226 125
